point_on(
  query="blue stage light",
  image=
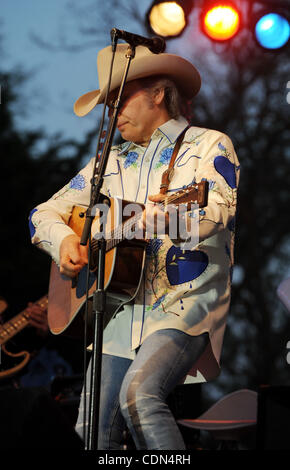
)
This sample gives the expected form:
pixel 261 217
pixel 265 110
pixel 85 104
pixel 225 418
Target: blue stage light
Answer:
pixel 272 31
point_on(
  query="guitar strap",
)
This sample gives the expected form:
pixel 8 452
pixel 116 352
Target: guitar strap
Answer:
pixel 168 174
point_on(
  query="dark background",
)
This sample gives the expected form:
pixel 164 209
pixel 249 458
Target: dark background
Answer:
pixel 244 94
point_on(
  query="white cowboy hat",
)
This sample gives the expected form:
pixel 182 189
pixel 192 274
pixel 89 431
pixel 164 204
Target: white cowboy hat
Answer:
pixel 144 64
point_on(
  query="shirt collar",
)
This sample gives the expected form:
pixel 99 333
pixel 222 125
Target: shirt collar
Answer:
pixel 170 129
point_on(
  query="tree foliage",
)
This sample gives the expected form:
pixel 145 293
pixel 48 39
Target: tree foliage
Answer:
pixel 29 176
pixel 250 105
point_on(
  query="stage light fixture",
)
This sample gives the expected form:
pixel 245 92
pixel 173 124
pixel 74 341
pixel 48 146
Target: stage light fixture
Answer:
pixel 272 30
pixel 168 18
pixel 220 21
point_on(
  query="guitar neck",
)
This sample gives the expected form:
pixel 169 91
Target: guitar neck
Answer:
pixel 123 231
pixel 10 328
pixel 196 194
pixel 119 234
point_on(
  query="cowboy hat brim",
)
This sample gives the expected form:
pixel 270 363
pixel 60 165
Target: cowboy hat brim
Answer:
pixel 86 102
pixel 183 73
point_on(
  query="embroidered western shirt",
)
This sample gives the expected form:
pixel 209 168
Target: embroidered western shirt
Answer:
pixel 189 289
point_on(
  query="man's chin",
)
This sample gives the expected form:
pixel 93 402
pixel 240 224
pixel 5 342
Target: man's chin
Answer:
pixel 126 135
pixel 130 136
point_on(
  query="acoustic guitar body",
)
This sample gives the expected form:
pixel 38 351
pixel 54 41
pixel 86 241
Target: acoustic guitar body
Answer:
pixel 122 276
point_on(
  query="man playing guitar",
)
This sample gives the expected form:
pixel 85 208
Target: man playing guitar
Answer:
pixel 174 325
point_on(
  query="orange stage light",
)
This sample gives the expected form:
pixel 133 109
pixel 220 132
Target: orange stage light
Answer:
pixel 221 22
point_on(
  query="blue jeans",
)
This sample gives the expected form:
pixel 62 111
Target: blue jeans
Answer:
pixel 134 393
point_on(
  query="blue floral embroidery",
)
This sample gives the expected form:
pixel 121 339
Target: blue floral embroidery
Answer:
pixel 158 302
pixel 78 182
pixel 131 159
pixel 185 266
pixel 165 157
pixel 153 246
pixel 222 147
pixel 227 169
pixel 211 184
pixel 31 226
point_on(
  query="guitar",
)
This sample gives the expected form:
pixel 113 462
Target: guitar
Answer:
pixel 11 363
pixel 124 262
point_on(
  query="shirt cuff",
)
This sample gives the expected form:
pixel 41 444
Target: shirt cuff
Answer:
pixel 58 232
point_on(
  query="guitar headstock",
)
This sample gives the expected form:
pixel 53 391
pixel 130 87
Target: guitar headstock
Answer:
pixel 194 194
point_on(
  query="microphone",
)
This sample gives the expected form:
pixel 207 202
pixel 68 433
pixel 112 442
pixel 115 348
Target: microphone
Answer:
pixel 155 45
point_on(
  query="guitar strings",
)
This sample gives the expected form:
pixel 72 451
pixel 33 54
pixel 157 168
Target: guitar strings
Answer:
pixel 124 229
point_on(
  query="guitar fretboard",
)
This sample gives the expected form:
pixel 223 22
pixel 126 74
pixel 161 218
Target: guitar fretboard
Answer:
pixel 125 230
pixel 120 233
pixel 18 323
pixel 196 193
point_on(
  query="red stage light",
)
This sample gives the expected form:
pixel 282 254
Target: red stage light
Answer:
pixel 221 21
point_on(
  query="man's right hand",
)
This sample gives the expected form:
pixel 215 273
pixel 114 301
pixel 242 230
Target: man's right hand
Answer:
pixel 73 256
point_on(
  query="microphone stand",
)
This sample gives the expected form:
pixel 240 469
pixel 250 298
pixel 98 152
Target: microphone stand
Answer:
pixel 99 296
